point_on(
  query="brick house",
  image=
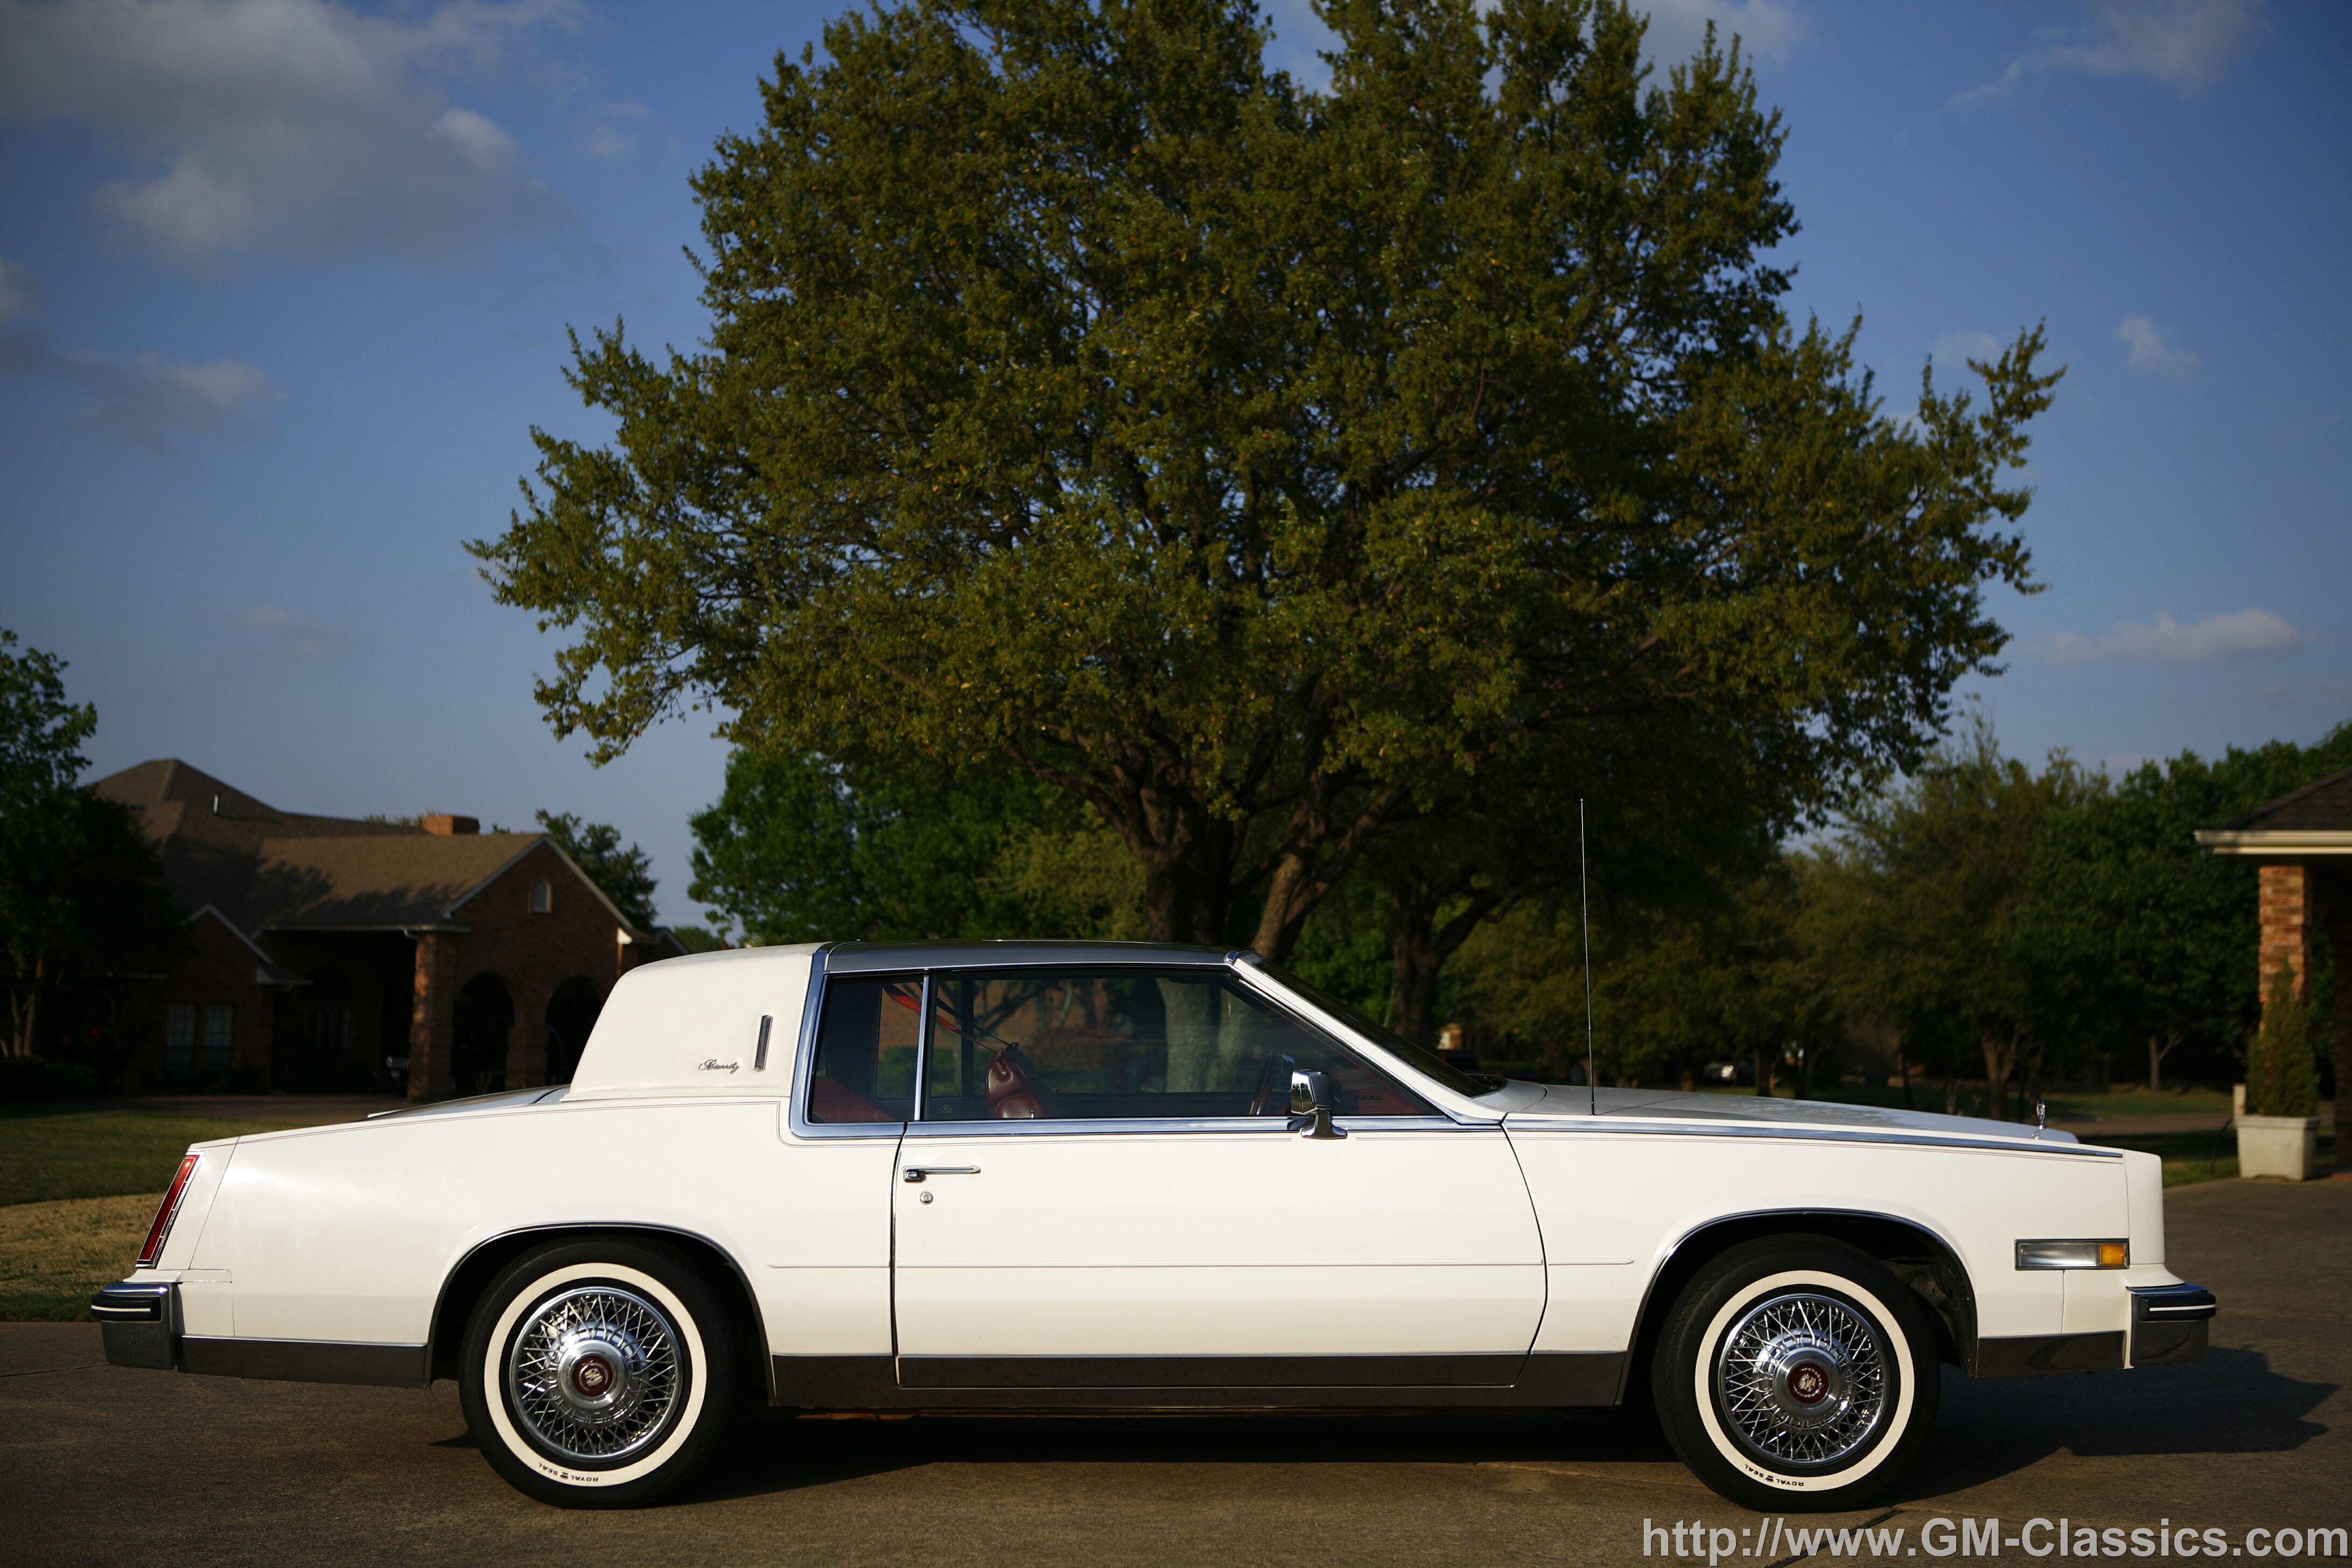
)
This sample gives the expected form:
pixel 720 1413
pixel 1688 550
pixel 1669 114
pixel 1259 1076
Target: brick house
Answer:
pixel 2301 844
pixel 326 953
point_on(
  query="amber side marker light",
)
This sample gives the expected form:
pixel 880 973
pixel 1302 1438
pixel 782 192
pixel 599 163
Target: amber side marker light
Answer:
pixel 166 1214
pixel 2074 1254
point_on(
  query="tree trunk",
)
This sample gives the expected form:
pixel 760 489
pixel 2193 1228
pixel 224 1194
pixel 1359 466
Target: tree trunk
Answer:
pixel 1902 1066
pixel 2155 1068
pixel 1419 947
pixel 2000 1061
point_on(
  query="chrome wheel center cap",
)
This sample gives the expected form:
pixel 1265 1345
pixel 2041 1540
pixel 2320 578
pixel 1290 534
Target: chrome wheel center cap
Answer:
pixel 600 1371
pixel 1809 1378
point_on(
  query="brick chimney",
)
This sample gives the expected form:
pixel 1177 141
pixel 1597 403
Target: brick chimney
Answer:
pixel 448 826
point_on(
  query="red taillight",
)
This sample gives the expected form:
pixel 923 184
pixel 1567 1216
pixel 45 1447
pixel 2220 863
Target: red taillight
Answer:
pixel 166 1215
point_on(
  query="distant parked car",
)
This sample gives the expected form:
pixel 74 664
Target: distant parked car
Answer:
pixel 1123 1177
pixel 1724 1072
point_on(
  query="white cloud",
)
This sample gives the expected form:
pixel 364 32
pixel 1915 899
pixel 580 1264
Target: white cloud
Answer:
pixel 1767 29
pixel 608 130
pixel 144 399
pixel 281 125
pixel 295 635
pixel 1954 350
pixel 2153 351
pixel 2181 43
pixel 18 293
pixel 2250 631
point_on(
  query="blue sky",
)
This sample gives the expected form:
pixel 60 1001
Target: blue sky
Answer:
pixel 283 285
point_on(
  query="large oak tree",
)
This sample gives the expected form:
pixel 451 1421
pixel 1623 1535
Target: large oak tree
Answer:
pixel 1270 469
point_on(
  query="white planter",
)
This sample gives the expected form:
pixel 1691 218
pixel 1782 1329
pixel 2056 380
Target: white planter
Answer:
pixel 2283 1148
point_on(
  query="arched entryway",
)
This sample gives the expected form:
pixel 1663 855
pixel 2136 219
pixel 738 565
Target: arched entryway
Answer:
pixel 570 1014
pixel 319 1055
pixel 485 1020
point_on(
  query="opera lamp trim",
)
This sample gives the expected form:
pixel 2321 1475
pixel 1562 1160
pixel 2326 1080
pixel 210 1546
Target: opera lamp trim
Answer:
pixel 2074 1254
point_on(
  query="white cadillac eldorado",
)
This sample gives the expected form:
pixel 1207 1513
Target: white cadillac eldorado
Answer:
pixel 1123 1177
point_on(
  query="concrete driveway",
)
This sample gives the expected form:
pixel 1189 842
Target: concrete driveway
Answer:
pixel 109 1465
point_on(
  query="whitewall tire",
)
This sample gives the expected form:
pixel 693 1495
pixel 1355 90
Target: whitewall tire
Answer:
pixel 597 1374
pixel 1795 1374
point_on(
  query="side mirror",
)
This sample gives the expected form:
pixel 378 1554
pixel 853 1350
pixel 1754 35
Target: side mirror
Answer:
pixel 1314 1096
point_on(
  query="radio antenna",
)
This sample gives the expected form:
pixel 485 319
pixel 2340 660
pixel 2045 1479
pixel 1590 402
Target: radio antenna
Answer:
pixel 1584 910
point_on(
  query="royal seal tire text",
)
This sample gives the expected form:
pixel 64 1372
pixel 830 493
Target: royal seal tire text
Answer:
pixel 597 1374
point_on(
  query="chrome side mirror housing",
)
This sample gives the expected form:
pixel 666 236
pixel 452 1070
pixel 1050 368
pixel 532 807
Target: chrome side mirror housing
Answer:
pixel 1314 1096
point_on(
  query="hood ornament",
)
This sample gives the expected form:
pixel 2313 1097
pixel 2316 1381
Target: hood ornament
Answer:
pixel 2041 1117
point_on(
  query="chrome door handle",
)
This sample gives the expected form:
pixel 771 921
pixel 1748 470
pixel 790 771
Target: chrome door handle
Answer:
pixel 917 1172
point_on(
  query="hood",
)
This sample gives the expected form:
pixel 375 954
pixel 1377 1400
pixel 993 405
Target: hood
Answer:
pixel 1565 1101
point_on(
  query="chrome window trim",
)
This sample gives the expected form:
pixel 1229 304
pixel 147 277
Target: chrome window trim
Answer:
pixel 804 1068
pixel 1074 1126
pixel 913 957
pixel 1248 968
pixel 1110 955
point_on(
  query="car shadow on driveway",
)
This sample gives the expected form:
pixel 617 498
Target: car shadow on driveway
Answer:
pixel 2229 1403
pixel 765 1456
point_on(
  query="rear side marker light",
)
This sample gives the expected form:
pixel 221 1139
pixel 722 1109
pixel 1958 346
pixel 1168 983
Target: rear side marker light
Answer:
pixel 165 1215
pixel 2074 1254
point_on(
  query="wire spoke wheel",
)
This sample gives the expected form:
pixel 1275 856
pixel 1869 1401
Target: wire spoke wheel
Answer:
pixel 595 1375
pixel 1801 1380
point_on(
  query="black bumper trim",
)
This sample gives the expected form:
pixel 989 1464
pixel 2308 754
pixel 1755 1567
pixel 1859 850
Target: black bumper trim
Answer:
pixel 2037 1355
pixel 139 1324
pixel 306 1360
pixel 2169 1324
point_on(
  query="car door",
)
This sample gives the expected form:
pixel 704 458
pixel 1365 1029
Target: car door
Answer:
pixel 1101 1189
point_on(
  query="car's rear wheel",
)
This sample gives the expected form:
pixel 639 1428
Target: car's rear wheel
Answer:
pixel 1796 1373
pixel 597 1374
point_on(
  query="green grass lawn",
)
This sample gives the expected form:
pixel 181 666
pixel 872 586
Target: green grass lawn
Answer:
pixel 50 1154
pixel 78 1189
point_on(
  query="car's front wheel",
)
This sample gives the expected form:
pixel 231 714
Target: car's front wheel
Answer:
pixel 1795 1374
pixel 597 1374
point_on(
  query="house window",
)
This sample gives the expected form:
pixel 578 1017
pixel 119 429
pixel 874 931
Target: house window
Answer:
pixel 198 1038
pixel 219 1039
pixel 180 1038
pixel 543 896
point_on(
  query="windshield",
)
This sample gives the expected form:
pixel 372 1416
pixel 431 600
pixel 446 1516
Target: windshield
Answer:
pixel 1418 1058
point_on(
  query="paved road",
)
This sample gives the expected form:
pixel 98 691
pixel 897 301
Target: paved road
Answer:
pixel 108 1465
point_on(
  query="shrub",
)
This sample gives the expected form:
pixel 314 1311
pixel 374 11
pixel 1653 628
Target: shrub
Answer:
pixel 2283 1065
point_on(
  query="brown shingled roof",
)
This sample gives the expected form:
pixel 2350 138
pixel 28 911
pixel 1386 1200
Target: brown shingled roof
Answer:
pixel 2325 806
pixel 267 869
pixel 343 883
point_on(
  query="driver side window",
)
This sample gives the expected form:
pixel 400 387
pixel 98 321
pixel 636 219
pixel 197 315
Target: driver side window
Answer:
pixel 1010 1045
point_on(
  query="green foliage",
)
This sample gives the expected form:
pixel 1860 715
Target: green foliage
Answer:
pixel 802 848
pixel 80 887
pixel 698 939
pixel 625 875
pixel 1267 470
pixel 41 733
pixel 2145 935
pixel 2282 1063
